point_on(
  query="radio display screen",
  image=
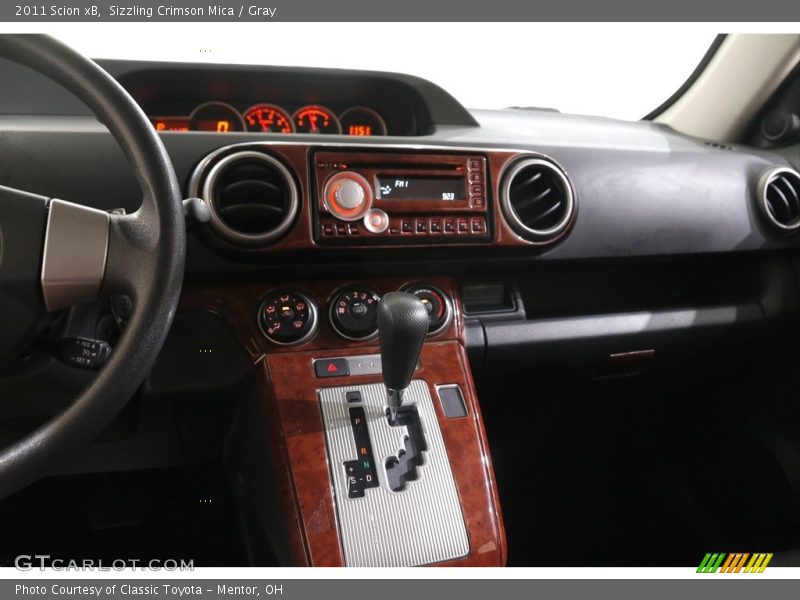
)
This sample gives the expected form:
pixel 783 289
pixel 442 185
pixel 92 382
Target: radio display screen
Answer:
pixel 393 187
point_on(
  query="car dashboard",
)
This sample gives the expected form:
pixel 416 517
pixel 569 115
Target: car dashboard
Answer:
pixel 537 241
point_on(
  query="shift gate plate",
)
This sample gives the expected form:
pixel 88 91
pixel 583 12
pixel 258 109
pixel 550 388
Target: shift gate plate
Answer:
pixel 423 523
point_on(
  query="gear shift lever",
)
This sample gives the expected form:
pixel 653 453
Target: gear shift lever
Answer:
pixel 402 326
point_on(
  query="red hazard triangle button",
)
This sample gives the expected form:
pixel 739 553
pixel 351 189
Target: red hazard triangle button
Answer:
pixel 331 367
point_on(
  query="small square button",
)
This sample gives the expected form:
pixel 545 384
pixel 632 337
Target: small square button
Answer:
pixel 331 367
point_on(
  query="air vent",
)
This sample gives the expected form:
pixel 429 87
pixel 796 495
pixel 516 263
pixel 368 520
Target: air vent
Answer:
pixel 779 197
pixel 252 197
pixel 537 200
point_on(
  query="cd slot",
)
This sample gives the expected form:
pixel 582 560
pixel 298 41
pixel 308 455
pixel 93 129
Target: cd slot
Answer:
pixel 389 166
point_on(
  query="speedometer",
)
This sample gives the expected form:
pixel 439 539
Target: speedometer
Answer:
pixel 268 118
pixel 316 119
pixel 216 116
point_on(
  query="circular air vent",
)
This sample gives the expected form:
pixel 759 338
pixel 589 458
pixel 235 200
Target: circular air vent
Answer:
pixel 537 200
pixel 779 197
pixel 252 198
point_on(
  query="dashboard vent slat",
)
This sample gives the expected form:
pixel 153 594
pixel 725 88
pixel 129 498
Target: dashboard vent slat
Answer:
pixel 252 198
pixel 537 200
pixel 779 197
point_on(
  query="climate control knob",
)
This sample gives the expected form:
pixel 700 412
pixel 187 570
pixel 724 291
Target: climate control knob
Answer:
pixel 287 317
pixel 436 302
pixel 354 313
pixel 347 196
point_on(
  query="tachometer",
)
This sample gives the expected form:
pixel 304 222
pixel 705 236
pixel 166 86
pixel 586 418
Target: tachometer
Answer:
pixel 268 118
pixel 316 119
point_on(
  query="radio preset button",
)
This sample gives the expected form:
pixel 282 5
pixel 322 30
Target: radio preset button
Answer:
pixel 422 225
pixel 436 226
pixel 449 226
pixel 478 225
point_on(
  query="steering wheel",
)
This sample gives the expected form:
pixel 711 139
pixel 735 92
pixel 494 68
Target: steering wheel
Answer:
pixel 56 254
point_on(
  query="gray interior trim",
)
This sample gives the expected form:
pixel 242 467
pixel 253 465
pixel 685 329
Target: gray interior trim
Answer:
pixel 737 82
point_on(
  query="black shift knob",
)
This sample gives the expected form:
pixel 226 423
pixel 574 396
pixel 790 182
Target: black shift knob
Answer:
pixel 402 325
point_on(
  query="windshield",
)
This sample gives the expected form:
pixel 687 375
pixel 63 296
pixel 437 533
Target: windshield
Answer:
pixel 625 73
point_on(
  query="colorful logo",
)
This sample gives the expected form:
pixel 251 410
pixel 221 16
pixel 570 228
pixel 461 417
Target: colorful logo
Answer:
pixel 734 563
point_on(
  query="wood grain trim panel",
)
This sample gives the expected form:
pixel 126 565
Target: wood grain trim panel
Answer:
pixel 289 391
pixel 298 158
pixel 295 393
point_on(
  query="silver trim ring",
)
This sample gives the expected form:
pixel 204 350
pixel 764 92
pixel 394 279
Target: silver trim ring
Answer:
pixel 332 305
pixel 220 226
pixel 538 235
pixel 766 178
pixel 313 314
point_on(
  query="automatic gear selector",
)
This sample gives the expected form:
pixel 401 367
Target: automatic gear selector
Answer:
pixel 402 326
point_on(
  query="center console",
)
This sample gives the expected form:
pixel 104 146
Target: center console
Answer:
pixel 379 442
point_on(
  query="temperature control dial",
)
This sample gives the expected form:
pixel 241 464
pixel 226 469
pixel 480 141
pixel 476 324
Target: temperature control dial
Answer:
pixel 354 313
pixel 287 317
pixel 347 195
pixel 436 302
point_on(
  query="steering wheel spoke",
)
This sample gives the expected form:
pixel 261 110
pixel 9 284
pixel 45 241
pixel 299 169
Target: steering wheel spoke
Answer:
pixel 54 254
pixel 74 255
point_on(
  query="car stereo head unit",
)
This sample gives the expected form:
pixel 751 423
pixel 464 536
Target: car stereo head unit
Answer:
pixel 387 198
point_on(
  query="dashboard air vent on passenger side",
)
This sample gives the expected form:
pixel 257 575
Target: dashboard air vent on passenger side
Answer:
pixel 252 198
pixel 779 197
pixel 537 199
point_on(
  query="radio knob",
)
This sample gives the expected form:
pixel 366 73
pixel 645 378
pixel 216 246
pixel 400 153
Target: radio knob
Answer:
pixel 347 196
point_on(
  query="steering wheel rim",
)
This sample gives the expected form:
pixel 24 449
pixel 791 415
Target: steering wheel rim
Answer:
pixel 145 256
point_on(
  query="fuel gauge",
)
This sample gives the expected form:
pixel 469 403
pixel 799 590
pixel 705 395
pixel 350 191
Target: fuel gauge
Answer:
pixel 316 119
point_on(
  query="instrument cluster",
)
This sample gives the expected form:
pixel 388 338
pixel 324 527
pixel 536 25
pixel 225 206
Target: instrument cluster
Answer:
pixel 263 117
